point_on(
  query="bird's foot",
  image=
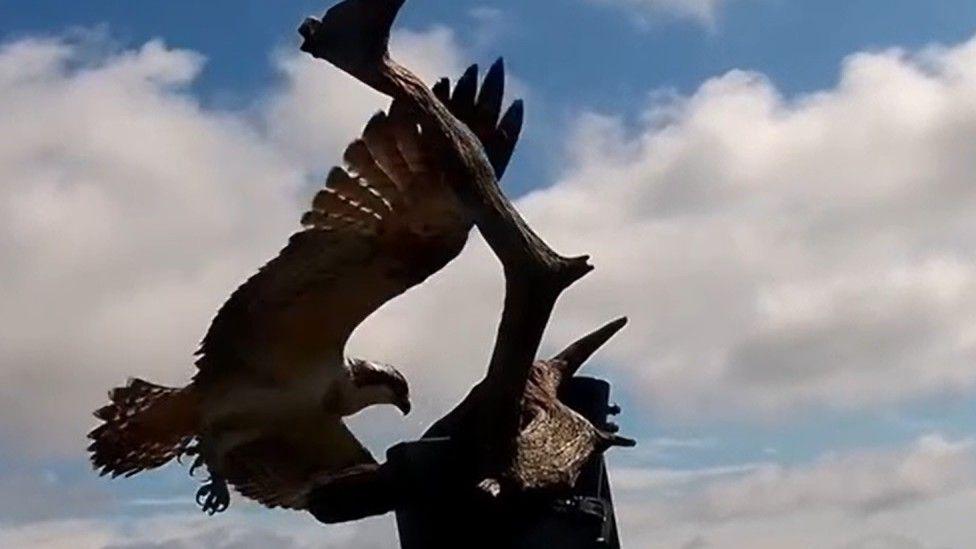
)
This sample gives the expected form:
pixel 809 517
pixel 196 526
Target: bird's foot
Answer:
pixel 214 496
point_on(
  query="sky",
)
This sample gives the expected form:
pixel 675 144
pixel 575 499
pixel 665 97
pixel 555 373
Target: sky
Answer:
pixel 776 192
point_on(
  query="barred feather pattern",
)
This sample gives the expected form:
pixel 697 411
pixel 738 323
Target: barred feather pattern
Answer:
pixel 382 171
pixel 382 223
pixel 281 470
pixel 142 429
pixel 260 472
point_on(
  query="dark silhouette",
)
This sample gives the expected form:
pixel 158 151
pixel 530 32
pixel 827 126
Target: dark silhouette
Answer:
pixel 511 448
pixel 517 463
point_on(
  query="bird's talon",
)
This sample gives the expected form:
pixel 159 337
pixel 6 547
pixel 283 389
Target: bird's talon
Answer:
pixel 213 497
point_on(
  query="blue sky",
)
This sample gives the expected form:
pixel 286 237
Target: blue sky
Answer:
pixel 576 54
pixel 770 173
pixel 798 44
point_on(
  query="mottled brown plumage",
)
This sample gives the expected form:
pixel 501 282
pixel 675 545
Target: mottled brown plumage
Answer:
pixel 380 226
pixel 487 429
pixel 264 410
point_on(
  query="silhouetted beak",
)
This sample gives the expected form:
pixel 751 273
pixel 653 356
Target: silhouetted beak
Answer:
pixel 404 406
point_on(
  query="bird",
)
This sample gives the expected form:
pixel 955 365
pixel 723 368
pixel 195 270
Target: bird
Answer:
pixel 264 411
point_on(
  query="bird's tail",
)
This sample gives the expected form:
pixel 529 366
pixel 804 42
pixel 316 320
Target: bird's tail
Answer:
pixel 144 426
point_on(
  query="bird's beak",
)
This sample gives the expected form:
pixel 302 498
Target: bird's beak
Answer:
pixel 404 406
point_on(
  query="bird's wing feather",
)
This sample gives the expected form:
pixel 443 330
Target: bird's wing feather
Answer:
pixel 282 470
pixel 382 224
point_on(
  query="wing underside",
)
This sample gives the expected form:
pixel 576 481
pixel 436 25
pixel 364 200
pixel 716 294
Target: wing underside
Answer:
pixel 282 470
pixel 383 223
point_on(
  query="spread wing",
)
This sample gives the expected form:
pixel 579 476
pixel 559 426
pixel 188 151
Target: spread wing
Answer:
pixel 383 223
pixel 282 470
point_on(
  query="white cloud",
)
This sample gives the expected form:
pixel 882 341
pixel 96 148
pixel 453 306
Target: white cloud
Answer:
pixel 775 255
pixel 128 212
pixel 779 254
pixel 882 541
pixel 67 534
pixel 919 495
pixel 121 201
pixel 643 478
pixel 863 484
pixel 319 109
pixel 32 496
pixel 185 531
pixel 860 499
pixel 705 11
pixel 669 448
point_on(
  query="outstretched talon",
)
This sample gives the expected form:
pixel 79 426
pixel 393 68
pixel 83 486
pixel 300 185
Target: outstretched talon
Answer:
pixel 214 496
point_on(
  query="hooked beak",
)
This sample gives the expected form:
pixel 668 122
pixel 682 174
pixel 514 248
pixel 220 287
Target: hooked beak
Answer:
pixel 404 406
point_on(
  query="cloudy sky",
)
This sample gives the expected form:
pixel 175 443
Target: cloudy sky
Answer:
pixel 777 192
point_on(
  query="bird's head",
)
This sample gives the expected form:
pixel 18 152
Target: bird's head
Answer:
pixel 379 383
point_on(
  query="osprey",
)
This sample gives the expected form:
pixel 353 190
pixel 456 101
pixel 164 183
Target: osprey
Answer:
pixel 264 409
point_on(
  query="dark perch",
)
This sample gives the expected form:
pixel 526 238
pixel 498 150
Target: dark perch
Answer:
pixel 511 444
pixel 438 508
